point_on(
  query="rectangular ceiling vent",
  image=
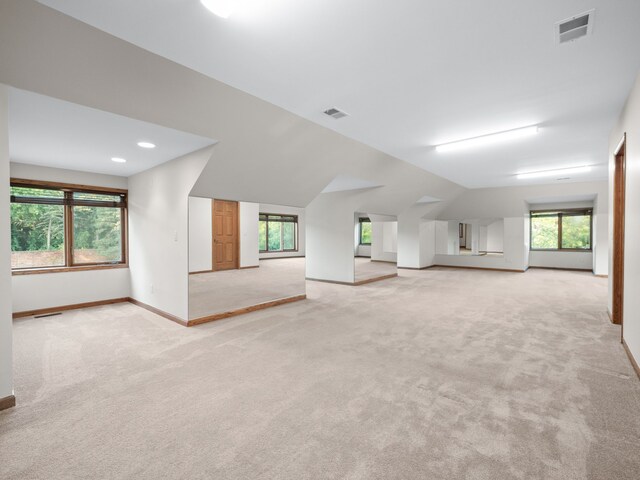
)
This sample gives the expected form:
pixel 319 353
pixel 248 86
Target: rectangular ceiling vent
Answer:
pixel 335 113
pixel 575 27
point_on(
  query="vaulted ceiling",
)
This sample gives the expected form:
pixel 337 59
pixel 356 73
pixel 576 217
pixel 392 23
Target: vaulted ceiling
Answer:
pixel 411 73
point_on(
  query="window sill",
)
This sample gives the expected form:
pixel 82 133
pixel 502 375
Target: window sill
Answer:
pixel 574 250
pixel 80 268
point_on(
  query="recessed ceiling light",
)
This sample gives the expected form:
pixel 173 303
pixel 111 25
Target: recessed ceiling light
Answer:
pixel 488 139
pixel 146 145
pixel 552 173
pixel 221 8
pixel 118 160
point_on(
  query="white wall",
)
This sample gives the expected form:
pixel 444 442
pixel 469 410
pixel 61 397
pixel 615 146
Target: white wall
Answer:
pixel 570 260
pixel 302 231
pixel 427 235
pixel 6 327
pixel 495 236
pixel 384 241
pixel 158 232
pixel 330 239
pixel 68 288
pixel 249 248
pixel 442 237
pixel 200 235
pixel 630 123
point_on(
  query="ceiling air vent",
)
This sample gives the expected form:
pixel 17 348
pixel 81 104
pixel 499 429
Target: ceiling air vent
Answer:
pixel 575 27
pixel 335 113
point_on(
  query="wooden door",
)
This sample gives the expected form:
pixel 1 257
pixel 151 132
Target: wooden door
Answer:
pixel 225 234
pixel 619 182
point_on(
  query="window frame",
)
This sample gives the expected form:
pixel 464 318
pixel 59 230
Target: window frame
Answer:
pixel 68 203
pixel 294 220
pixel 559 213
pixel 362 220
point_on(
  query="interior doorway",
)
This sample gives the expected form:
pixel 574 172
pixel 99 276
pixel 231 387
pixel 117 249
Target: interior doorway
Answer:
pixel 226 239
pixel 619 182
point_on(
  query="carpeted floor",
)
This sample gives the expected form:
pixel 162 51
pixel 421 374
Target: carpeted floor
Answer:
pixel 366 269
pixel 437 374
pixel 217 292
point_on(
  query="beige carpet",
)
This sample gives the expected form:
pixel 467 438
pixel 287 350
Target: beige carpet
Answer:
pixel 218 292
pixel 436 374
pixel 365 269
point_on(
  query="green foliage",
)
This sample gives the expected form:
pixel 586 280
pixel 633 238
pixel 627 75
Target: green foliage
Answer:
pixel 544 232
pixel 98 228
pixel 365 232
pixel 36 227
pixel 275 236
pixel 262 236
pixel 576 231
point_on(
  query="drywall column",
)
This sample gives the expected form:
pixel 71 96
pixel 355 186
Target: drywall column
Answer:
pixel 249 249
pixel 408 241
pixel 329 239
pixel 453 247
pixel 6 354
pixel 475 239
pixel 158 231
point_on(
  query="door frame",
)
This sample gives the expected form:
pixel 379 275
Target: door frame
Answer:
pixel 619 195
pixel 213 234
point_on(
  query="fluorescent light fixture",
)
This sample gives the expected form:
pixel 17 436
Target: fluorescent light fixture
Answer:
pixel 221 8
pixel 118 160
pixel 146 145
pixel 554 173
pixel 487 139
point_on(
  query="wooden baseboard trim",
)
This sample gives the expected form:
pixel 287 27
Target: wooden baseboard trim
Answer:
pixel 201 271
pixel 64 308
pixel 634 364
pixel 252 266
pixel 482 268
pixel 417 268
pixel 7 402
pixel 601 276
pixel 563 268
pixel 241 311
pixel 354 284
pixel 385 261
pixel 375 279
pixel 157 311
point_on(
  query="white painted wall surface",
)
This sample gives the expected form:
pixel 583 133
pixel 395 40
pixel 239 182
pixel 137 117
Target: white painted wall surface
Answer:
pixel 453 234
pixel 629 123
pixel 31 292
pixel 249 248
pixel 571 260
pixel 427 243
pixel 200 234
pixel 302 231
pixel 329 249
pixel 159 230
pixel 442 237
pixel 6 324
pixel 495 236
pixel 384 241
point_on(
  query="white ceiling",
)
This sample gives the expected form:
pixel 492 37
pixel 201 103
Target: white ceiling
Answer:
pixel 54 133
pixel 412 73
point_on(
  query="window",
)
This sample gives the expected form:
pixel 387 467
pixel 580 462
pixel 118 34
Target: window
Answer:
pixel 365 231
pixel 561 230
pixel 278 233
pixel 63 226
